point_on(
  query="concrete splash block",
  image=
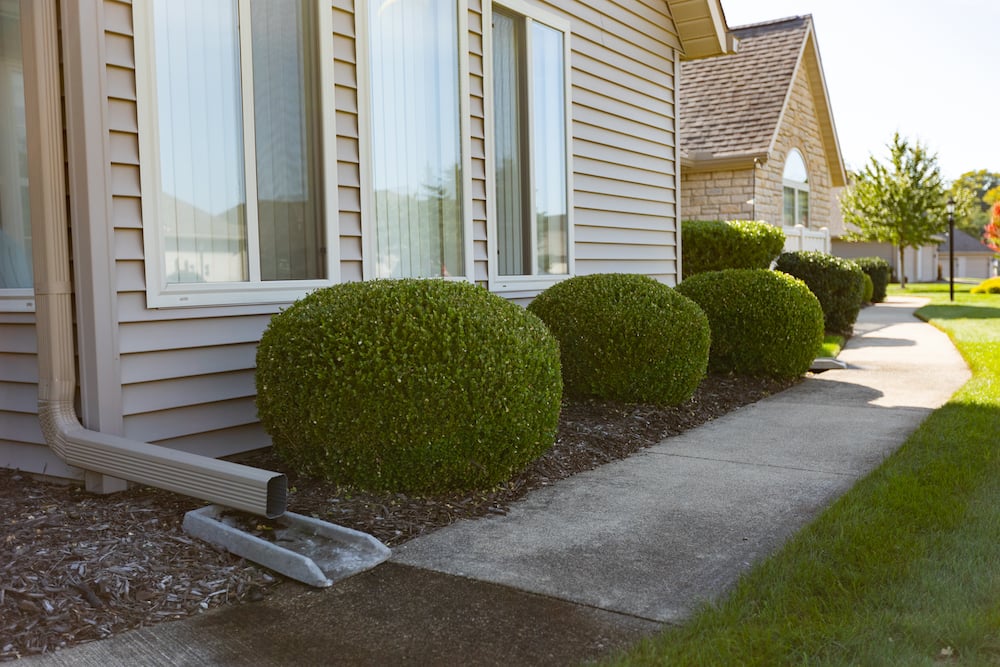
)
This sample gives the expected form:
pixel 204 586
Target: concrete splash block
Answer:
pixel 314 552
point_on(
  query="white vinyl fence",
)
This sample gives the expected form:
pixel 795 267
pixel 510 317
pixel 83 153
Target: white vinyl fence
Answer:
pixel 800 238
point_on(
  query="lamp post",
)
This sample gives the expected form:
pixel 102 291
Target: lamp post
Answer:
pixel 951 247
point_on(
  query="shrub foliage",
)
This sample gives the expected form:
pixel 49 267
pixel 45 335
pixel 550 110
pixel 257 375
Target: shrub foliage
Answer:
pixel 988 286
pixel 626 337
pixel 838 284
pixel 713 245
pixel 869 289
pixel 878 270
pixel 419 386
pixel 764 323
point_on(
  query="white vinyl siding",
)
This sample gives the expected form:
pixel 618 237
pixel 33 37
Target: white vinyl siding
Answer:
pixel 187 373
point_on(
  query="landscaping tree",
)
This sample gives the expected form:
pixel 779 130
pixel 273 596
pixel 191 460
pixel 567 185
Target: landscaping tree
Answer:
pixel 900 202
pixel 991 234
pixel 983 187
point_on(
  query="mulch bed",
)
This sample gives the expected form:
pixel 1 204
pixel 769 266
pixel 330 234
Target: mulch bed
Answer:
pixel 76 567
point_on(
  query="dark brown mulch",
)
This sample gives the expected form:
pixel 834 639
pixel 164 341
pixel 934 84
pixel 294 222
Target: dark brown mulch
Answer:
pixel 75 567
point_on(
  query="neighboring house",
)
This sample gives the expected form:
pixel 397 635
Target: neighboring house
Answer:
pixel 177 172
pixel 973 258
pixel 758 139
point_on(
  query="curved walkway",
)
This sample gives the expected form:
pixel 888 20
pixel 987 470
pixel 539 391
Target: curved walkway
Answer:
pixel 602 558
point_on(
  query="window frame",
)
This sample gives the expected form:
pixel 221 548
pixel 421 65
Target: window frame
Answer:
pixel 21 299
pixel 534 281
pixel 369 259
pixel 797 187
pixel 159 294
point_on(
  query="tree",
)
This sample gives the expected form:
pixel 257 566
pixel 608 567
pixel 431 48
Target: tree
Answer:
pixel 900 202
pixel 983 186
pixel 991 234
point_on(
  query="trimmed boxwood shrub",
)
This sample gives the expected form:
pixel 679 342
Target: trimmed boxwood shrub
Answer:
pixel 713 245
pixel 988 286
pixel 626 337
pixel 878 270
pixel 764 323
pixel 869 289
pixel 418 386
pixel 838 284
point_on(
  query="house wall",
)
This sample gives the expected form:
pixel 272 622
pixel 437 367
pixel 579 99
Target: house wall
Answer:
pixel 718 195
pixel 921 264
pixel 187 374
pixel 799 129
pixel 968 265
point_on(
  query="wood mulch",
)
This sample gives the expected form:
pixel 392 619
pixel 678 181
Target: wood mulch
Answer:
pixel 76 567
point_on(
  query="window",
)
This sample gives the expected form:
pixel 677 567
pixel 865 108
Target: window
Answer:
pixel 796 190
pixel 232 150
pixel 530 163
pixel 415 126
pixel 15 217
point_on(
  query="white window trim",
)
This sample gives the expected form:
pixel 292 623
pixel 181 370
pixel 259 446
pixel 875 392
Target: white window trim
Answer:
pixel 158 293
pixel 21 300
pixel 797 186
pixel 369 257
pixel 528 283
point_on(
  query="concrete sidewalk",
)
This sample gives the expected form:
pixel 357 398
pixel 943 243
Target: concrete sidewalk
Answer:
pixel 603 558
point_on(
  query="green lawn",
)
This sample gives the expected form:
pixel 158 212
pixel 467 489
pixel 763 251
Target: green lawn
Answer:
pixel 831 346
pixel 902 570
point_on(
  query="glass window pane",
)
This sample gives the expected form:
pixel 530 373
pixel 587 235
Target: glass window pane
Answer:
pixel 202 200
pixel 788 217
pixel 803 205
pixel 795 167
pixel 15 216
pixel 285 100
pixel 416 148
pixel 512 194
pixel 549 149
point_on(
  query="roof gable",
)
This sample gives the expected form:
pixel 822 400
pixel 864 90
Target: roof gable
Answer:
pixel 731 107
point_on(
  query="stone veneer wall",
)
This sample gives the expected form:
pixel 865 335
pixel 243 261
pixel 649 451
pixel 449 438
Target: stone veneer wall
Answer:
pixel 723 195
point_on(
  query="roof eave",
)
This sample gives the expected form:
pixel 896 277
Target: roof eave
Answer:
pixel 701 27
pixel 722 162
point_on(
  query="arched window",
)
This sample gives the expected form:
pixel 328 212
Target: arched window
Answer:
pixel 796 188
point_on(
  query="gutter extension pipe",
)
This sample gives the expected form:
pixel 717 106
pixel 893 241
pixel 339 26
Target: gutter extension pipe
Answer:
pixel 238 486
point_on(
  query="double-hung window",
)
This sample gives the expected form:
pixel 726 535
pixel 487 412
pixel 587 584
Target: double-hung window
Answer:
pixel 234 107
pixel 796 190
pixel 414 128
pixel 15 218
pixel 529 173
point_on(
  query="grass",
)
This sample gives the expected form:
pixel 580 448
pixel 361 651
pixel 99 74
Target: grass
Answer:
pixel 831 346
pixel 901 570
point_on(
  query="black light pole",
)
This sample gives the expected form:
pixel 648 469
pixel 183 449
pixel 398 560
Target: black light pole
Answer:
pixel 951 247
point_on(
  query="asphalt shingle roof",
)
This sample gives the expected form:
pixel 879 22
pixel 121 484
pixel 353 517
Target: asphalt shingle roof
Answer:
pixel 965 242
pixel 730 105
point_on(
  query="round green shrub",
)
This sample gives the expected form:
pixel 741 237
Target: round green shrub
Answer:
pixel 988 286
pixel 869 289
pixel 879 271
pixel 626 337
pixel 418 386
pixel 713 245
pixel 764 323
pixel 838 284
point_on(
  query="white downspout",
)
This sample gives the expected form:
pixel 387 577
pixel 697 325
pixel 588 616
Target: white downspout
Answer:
pixel 241 487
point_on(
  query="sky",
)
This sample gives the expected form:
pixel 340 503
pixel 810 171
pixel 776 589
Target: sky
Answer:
pixel 927 69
